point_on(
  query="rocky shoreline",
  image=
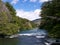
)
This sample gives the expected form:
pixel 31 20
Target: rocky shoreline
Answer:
pixel 8 36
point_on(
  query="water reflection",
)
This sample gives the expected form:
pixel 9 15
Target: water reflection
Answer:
pixel 31 40
pixel 12 41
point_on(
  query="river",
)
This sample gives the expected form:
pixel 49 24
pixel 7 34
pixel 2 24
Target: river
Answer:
pixel 29 37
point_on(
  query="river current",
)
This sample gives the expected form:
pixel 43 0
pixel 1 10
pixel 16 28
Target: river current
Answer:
pixel 29 37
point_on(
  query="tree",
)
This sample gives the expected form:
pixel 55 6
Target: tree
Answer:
pixel 51 18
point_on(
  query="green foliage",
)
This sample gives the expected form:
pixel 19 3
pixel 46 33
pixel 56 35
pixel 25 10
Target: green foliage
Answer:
pixel 15 24
pixel 8 29
pixel 55 31
pixel 51 18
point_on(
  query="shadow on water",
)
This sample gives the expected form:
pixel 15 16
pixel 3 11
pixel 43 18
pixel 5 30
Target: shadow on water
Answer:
pixel 8 41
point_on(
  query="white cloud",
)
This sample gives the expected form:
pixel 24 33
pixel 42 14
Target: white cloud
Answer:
pixel 38 0
pixel 33 0
pixel 43 0
pixel 14 1
pixel 30 15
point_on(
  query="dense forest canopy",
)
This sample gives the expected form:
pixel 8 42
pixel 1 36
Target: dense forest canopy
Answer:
pixel 51 18
pixel 10 23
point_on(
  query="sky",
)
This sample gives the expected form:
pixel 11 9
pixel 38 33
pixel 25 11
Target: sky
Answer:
pixel 29 9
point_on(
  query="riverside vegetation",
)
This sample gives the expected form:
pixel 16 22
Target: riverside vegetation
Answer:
pixel 10 23
pixel 50 20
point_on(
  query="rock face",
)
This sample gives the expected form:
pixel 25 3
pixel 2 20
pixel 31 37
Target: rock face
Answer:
pixel 4 11
pixel 5 18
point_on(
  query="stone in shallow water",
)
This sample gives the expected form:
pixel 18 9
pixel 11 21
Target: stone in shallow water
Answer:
pixel 40 36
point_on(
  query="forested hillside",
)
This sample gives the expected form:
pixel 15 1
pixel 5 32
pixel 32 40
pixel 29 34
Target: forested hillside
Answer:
pixel 10 23
pixel 51 18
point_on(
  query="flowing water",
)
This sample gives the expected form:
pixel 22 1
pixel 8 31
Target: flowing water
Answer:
pixel 31 37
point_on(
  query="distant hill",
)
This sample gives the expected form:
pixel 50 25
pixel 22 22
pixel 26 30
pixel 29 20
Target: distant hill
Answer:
pixel 37 21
